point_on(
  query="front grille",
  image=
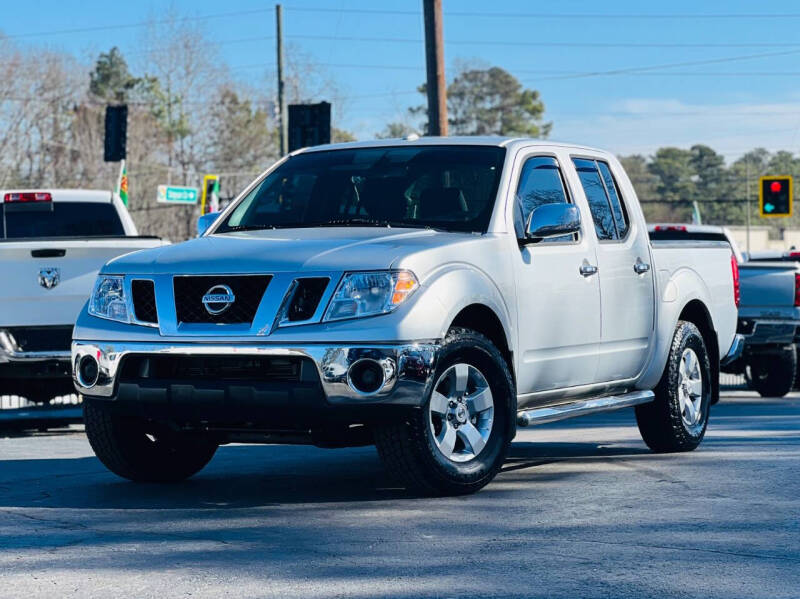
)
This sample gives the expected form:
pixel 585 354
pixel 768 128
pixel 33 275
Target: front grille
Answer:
pixel 217 369
pixel 51 338
pixel 247 291
pixel 143 294
pixel 305 298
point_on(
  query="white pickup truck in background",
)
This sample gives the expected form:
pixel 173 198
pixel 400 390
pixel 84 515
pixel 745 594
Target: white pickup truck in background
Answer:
pixel 52 243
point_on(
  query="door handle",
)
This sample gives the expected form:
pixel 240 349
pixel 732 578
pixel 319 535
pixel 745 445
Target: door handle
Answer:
pixel 587 270
pixel 640 267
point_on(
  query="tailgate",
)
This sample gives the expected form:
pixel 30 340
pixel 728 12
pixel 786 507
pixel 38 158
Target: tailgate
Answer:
pixel 47 282
pixel 767 284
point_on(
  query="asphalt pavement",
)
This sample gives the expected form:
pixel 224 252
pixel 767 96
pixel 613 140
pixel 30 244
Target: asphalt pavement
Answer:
pixel 581 509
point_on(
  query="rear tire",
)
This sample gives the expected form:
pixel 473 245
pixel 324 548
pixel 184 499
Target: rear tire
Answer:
pixel 677 419
pixel 797 368
pixel 133 450
pixel 774 373
pixel 436 450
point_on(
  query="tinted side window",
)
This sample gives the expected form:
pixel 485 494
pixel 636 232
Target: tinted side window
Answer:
pixel 617 205
pixel 540 183
pixel 595 192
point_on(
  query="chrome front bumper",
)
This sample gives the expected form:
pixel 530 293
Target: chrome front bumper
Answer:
pixel 408 367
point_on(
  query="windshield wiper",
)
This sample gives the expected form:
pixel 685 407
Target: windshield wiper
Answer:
pixel 234 228
pixel 367 222
pixel 340 222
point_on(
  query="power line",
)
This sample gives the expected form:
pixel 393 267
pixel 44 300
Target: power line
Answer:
pixel 451 42
pixel 557 44
pixel 338 65
pixel 471 14
pixel 100 102
pixel 545 15
pixel 222 15
pixel 627 70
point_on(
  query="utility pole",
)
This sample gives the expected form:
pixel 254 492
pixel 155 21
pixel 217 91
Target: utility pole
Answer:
pixel 434 65
pixel 284 124
pixel 747 203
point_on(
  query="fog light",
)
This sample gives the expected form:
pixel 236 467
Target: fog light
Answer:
pixel 366 376
pixel 88 371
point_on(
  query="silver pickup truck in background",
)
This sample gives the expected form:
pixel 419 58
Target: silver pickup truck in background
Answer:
pixel 425 295
pixel 769 311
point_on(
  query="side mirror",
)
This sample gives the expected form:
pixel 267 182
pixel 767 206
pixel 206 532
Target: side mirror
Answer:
pixel 553 220
pixel 205 221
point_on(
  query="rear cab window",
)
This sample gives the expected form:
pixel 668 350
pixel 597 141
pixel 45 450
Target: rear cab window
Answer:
pixel 610 216
pixel 32 220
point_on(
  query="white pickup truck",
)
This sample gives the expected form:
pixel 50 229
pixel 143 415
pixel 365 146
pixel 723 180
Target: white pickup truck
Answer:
pixel 52 244
pixel 425 295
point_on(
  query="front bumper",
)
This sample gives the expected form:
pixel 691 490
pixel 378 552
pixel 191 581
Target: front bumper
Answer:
pixel 408 369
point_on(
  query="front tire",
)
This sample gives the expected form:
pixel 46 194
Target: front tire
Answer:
pixel 457 443
pixel 131 449
pixel 677 419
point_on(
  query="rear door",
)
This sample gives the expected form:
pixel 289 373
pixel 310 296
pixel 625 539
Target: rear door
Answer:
pixel 558 306
pixel 626 276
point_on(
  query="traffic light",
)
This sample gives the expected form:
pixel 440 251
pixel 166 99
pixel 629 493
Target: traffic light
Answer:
pixel 116 133
pixel 775 196
pixel 309 125
pixel 210 199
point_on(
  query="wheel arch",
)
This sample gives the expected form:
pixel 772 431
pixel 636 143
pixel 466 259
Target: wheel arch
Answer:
pixel 482 319
pixel 696 312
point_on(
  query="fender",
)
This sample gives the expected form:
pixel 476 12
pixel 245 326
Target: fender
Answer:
pixel 458 285
pixel 673 295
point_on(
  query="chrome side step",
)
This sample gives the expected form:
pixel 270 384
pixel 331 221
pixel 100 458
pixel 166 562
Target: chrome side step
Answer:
pixel 582 408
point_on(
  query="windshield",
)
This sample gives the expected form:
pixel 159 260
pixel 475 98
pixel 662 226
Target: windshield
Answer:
pixel 444 187
pixel 59 219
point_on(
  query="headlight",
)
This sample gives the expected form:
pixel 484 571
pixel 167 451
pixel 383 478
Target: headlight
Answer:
pixel 108 299
pixel 370 293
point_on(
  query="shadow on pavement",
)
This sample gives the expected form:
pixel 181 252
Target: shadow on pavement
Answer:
pixel 248 476
pixel 263 475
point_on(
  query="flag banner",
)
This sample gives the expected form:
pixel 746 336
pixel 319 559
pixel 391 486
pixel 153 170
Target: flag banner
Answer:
pixel 122 186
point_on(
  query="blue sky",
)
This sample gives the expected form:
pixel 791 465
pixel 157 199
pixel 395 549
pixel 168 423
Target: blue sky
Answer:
pixel 721 73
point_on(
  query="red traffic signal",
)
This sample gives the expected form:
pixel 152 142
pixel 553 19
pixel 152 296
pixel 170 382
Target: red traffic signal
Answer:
pixel 775 196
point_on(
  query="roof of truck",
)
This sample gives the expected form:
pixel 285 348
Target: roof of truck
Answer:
pixel 477 140
pixel 65 195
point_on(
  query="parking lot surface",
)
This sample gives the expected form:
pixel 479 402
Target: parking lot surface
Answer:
pixel 582 509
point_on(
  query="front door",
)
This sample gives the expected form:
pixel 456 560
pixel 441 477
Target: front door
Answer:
pixel 558 305
pixel 626 276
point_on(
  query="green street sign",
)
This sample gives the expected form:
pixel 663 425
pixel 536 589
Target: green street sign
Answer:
pixel 171 194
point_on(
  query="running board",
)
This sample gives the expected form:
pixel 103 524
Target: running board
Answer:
pixel 582 408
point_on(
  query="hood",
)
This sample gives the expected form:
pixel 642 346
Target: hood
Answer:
pixel 286 250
